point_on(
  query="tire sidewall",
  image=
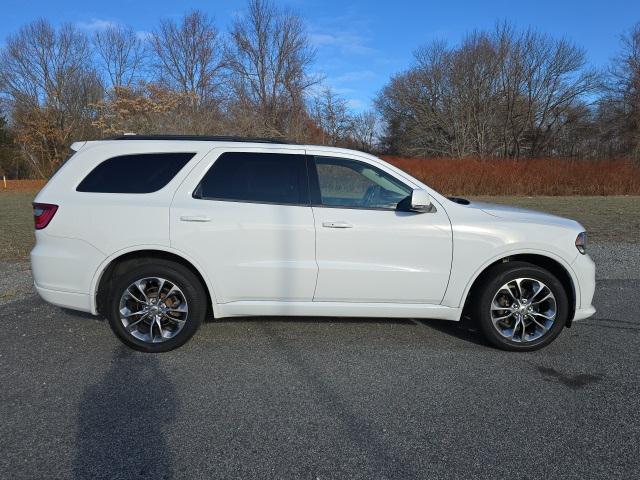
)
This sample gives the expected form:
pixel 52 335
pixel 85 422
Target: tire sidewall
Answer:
pixel 188 283
pixel 502 275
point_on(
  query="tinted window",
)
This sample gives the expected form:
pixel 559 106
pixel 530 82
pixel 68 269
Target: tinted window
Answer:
pixel 142 173
pixel 349 183
pixel 256 177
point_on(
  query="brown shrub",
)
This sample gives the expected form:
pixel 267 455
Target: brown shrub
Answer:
pixel 535 176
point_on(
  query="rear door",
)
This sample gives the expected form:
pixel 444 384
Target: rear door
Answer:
pixel 244 214
pixel 367 250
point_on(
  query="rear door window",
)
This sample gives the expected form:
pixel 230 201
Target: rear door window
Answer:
pixel 139 173
pixel 257 177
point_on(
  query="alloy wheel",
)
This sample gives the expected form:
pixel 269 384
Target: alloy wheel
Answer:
pixel 153 309
pixel 523 310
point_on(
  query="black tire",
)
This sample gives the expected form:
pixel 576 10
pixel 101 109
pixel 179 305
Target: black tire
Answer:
pixel 189 284
pixel 499 275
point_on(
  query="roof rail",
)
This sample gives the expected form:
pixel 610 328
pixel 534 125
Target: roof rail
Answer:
pixel 201 138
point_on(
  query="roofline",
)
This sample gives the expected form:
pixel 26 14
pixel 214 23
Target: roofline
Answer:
pixel 203 138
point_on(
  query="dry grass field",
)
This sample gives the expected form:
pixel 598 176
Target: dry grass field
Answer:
pixel 615 218
pixel 16 224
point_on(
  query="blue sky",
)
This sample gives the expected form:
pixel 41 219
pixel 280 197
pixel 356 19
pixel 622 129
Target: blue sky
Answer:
pixel 361 43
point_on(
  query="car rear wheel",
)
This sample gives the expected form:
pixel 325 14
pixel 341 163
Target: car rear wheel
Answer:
pixel 520 306
pixel 155 305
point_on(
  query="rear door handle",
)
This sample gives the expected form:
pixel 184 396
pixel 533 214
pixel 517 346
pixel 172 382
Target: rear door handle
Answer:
pixel 336 225
pixel 194 218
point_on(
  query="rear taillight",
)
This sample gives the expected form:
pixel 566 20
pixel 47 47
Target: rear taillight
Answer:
pixel 43 213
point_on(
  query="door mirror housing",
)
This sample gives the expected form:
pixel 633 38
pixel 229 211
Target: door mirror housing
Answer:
pixel 419 202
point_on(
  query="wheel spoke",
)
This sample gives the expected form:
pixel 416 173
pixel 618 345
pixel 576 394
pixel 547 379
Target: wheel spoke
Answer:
pixel 544 329
pixel 141 290
pixel 547 317
pixel 541 288
pixel 160 328
pixel 131 326
pixel 506 289
pixel 130 313
pixel 131 294
pixel 515 327
pixel 498 319
pixel 162 282
pixel 151 324
pixel 518 295
pixel 179 321
pixel 497 307
pixel 180 309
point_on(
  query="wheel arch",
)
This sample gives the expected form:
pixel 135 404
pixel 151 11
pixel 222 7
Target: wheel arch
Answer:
pixel 555 267
pixel 100 284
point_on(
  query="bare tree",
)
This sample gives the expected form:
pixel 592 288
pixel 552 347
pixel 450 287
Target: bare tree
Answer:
pixel 619 107
pixel 188 56
pixel 331 114
pixel 364 128
pixel 47 79
pixel 497 93
pixel 121 53
pixel 269 57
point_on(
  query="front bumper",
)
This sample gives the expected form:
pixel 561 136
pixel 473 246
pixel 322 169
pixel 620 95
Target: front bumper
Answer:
pixel 582 313
pixel 585 270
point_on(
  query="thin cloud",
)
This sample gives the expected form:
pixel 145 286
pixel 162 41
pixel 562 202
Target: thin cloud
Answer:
pixel 355 76
pixel 357 104
pixel 143 34
pixel 96 24
pixel 344 42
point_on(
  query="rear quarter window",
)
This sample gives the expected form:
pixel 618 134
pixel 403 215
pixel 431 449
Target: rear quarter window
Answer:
pixel 139 173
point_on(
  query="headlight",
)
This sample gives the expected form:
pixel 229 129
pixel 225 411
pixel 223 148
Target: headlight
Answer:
pixel 581 242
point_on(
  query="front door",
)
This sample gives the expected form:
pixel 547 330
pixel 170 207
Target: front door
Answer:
pixel 367 250
pixel 244 215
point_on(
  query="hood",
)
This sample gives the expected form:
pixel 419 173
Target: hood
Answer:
pixel 524 215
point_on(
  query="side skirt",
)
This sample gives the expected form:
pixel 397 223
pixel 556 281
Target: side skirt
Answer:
pixel 337 309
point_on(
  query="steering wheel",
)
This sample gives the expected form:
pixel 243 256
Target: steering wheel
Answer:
pixel 371 194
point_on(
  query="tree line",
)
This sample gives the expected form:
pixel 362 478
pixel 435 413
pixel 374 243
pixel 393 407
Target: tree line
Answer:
pixel 512 93
pixel 505 92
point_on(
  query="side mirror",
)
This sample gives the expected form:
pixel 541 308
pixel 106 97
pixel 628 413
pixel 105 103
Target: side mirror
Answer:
pixel 419 202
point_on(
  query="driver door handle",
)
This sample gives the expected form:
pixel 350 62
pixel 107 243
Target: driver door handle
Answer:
pixel 336 225
pixel 194 218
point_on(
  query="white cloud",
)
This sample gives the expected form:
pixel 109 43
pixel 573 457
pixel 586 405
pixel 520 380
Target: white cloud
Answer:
pixel 344 42
pixel 355 76
pixel 143 34
pixel 96 24
pixel 357 104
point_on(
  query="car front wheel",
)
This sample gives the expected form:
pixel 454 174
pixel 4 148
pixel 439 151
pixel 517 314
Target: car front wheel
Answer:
pixel 520 306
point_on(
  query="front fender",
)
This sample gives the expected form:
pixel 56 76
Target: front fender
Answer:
pixel 458 290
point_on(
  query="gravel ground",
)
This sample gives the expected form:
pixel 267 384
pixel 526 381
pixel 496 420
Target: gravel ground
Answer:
pixel 321 398
pixel 616 260
pixel 15 281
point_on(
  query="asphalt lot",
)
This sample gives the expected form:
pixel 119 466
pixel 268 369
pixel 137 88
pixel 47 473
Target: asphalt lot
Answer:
pixel 321 398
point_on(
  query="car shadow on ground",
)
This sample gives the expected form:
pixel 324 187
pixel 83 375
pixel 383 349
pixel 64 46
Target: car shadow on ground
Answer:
pixel 465 329
pixel 84 315
pixel 122 419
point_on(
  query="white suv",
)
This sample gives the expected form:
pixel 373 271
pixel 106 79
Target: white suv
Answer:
pixel 157 232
